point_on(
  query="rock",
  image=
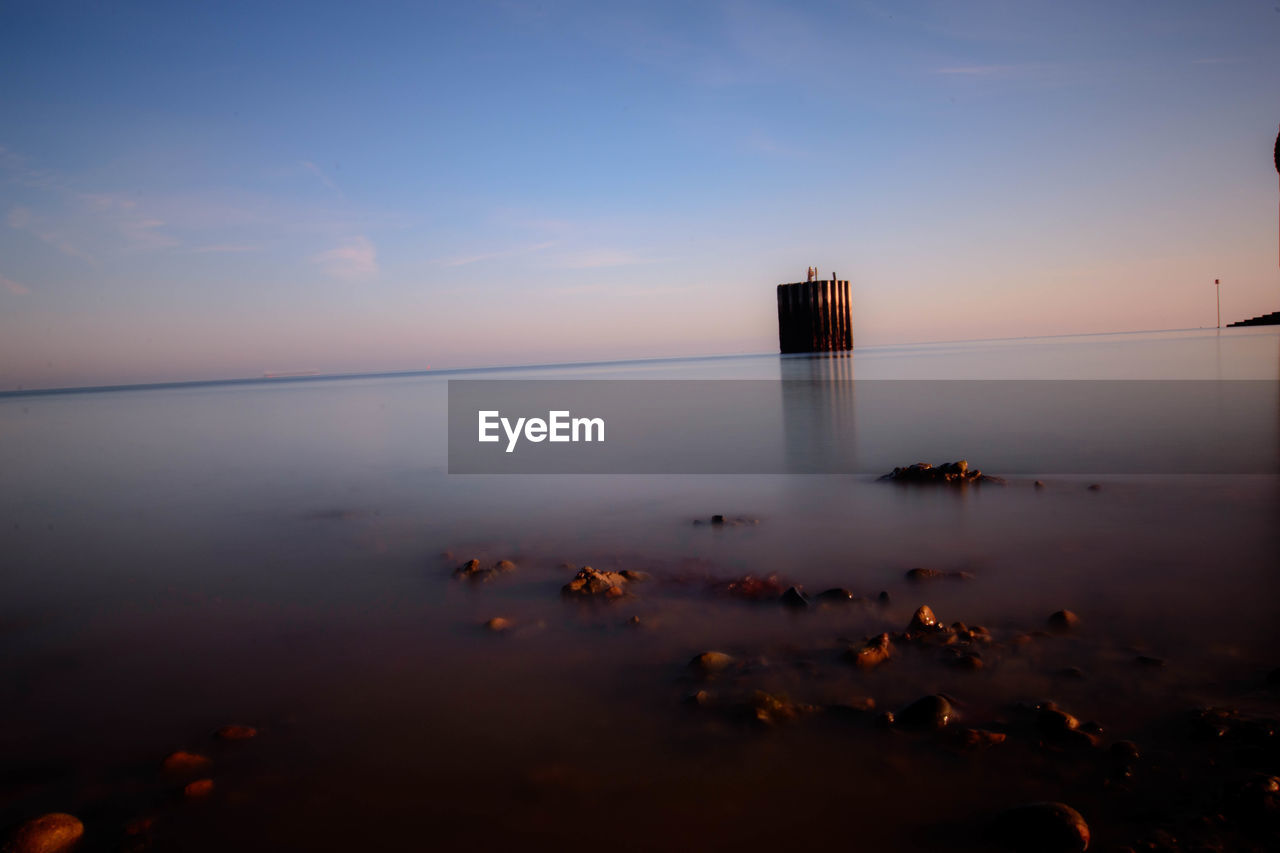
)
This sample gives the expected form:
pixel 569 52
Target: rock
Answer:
pixel 589 583
pixel 1124 750
pixel 1039 484
pixel 793 598
pixel 883 597
pixel 199 788
pixel 1063 621
pixel 1042 828
pixel 771 709
pixel 922 575
pixel 923 619
pixel 981 738
pixel 1149 661
pixel 835 595
pixel 751 588
pixel 955 473
pixel 1053 722
pixel 873 653
pixel 498 625
pixel 929 713
pixel 51 833
pixel 634 576
pixel 181 761
pixel 1095 487
pixel 717 519
pixel 236 733
pixel 710 663
pixel 504 566
pixel 701 698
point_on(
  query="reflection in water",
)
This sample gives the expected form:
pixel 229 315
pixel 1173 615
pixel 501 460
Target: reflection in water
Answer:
pixel 817 398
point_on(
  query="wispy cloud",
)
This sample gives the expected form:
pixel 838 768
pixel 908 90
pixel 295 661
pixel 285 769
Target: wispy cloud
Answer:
pixel 23 219
pixel 355 260
pixel 321 174
pixel 16 288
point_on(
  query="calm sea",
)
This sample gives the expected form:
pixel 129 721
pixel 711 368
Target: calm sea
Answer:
pixel 279 553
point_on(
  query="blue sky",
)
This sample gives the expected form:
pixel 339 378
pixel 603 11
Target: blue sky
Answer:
pixel 211 190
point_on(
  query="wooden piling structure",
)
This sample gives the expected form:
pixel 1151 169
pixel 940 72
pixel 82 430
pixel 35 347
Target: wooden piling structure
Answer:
pixel 814 316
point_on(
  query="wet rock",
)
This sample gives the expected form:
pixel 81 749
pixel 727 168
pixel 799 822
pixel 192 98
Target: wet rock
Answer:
pixel 50 833
pixel 835 595
pixel 1259 800
pixel 771 709
pixel 1149 661
pixel 981 738
pixel 711 663
pixel 1042 828
pixel 717 519
pixel 182 761
pixel 1052 721
pixel 873 652
pixel 929 713
pixel 236 733
pixel 1095 487
pixel 589 583
pixel 1063 621
pixel 699 698
pixel 751 588
pixel 923 575
pixel 883 597
pixel 498 625
pixel 473 571
pixel 954 473
pixel 1039 484
pixel 199 788
pixel 794 598
pixel 1124 750
pixel 923 619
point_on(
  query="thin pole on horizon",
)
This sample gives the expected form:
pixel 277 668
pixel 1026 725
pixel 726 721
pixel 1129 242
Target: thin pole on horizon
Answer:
pixel 1217 293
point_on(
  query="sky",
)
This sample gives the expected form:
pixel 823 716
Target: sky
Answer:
pixel 214 190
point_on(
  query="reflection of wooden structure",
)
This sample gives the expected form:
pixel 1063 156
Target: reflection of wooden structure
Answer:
pixel 814 316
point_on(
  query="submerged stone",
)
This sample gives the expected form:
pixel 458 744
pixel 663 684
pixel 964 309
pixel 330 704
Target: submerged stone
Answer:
pixel 710 663
pixel 929 713
pixel 1063 621
pixel 1042 828
pixel 50 833
pixel 873 652
pixel 589 583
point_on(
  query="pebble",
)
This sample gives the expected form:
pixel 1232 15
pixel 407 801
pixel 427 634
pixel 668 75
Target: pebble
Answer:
pixel 929 713
pixel 1042 828
pixel 51 833
pixel 923 620
pixel 199 788
pixel 1063 620
pixel 873 653
pixel 498 625
pixel 710 663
